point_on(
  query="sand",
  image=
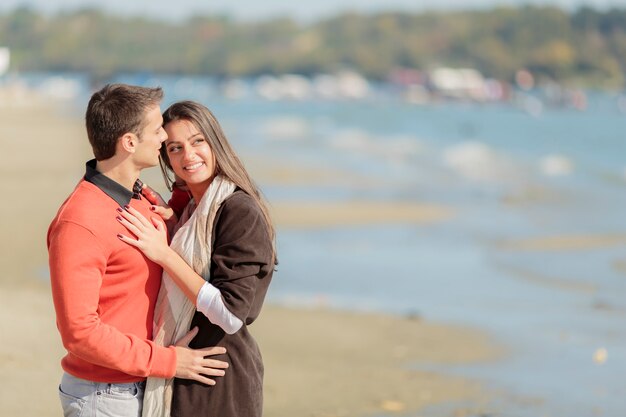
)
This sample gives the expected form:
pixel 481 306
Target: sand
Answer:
pixel 318 362
pixel 564 243
pixel 289 214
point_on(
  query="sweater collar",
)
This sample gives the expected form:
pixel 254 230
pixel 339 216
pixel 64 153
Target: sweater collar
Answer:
pixel 116 191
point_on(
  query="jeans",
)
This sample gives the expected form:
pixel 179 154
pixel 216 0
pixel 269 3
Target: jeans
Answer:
pixel 82 398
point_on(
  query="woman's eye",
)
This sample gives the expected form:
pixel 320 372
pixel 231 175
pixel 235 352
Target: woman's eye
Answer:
pixel 173 149
pixel 198 141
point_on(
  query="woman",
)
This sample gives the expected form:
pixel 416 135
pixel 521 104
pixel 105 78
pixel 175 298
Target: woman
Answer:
pixel 217 270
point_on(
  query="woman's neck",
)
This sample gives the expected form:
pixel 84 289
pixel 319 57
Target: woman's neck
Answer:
pixel 198 190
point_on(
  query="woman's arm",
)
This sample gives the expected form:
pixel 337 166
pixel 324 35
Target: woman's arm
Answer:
pixel 160 207
pixel 152 241
pixel 242 256
pixel 180 198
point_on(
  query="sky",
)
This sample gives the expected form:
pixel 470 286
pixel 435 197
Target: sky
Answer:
pixel 263 9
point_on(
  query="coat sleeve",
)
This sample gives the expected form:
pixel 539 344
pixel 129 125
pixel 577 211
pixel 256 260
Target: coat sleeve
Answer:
pixel 242 256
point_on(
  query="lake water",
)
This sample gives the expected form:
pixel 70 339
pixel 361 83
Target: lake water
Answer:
pixel 511 177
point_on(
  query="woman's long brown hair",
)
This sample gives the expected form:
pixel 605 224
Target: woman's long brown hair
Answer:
pixel 228 163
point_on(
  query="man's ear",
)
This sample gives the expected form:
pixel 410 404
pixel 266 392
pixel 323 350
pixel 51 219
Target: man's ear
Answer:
pixel 128 142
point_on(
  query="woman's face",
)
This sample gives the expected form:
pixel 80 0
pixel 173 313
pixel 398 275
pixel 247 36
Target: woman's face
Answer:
pixel 189 152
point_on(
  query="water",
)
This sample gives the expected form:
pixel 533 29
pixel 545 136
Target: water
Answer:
pixel 509 176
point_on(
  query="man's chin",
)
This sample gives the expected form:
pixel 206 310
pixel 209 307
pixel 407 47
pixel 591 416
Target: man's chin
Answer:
pixel 150 164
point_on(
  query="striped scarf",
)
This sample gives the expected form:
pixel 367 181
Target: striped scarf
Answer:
pixel 173 311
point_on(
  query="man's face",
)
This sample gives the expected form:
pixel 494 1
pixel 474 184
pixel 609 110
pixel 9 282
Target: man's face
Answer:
pixel 151 138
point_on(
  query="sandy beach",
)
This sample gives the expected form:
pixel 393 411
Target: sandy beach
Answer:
pixel 319 362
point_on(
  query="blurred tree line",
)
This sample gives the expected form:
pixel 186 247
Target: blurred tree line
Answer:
pixel 583 47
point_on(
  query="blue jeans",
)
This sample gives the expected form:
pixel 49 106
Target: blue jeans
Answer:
pixel 82 398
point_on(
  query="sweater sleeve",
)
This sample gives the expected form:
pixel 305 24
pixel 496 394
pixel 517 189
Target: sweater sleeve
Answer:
pixel 77 265
pixel 211 304
pixel 179 200
pixel 241 250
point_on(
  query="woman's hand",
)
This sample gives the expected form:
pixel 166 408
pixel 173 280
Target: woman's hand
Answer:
pixel 160 207
pixel 152 196
pixel 151 235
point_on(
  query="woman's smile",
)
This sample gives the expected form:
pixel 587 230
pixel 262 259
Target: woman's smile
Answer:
pixel 193 167
pixel 190 155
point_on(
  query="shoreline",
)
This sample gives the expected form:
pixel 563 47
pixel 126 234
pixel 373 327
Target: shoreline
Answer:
pixel 317 361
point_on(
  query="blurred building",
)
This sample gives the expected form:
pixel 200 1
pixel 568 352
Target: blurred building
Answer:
pixel 5 58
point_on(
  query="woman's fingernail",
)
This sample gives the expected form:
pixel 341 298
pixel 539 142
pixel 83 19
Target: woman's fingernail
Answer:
pixel 126 206
pixel 119 236
pixel 119 218
pixel 152 208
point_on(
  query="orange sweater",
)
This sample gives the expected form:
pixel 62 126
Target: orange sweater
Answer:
pixel 104 292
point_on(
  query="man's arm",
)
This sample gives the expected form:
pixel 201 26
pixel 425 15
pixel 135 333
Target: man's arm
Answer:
pixel 77 265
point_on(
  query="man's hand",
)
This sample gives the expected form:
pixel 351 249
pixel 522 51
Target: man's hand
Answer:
pixel 192 364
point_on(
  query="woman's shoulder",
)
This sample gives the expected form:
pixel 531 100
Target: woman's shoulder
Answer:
pixel 241 216
pixel 241 207
pixel 241 201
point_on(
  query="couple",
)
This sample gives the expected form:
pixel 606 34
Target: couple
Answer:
pixel 125 299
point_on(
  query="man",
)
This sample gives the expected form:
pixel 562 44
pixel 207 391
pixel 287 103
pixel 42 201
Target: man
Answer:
pixel 104 290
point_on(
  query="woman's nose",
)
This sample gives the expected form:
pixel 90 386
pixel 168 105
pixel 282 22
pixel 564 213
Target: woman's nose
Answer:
pixel 188 152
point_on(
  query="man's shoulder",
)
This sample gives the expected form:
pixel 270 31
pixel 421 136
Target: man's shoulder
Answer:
pixel 83 205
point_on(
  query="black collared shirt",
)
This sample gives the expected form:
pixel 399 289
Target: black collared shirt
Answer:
pixel 116 191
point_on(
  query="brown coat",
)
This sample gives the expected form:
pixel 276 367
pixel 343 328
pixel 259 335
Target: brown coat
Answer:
pixel 241 268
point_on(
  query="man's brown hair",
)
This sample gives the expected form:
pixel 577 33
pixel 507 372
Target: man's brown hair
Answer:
pixel 115 110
